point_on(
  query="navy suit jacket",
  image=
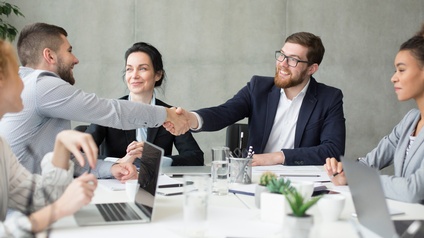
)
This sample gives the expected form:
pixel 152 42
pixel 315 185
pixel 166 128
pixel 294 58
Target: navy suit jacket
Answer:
pixel 114 142
pixel 320 130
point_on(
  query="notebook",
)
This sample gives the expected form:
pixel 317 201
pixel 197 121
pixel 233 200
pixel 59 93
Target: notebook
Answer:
pixel 138 211
pixel 370 202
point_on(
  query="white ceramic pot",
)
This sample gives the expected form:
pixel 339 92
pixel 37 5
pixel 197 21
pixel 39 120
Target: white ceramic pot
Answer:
pixel 298 227
pixel 274 207
pixel 258 191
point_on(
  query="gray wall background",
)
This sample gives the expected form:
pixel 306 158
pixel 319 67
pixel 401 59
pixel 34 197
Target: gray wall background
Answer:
pixel 212 48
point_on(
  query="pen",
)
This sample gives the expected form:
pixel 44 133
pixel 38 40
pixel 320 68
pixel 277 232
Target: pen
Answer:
pixel 241 141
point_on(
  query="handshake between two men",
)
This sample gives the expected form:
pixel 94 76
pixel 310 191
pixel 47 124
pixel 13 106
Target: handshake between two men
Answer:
pixel 179 121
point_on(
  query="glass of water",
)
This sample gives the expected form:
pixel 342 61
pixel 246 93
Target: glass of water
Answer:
pixel 196 200
pixel 219 170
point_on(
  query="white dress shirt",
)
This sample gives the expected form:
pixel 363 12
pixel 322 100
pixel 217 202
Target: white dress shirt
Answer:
pixel 284 127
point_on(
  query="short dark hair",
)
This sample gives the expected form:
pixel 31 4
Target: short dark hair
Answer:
pixel 314 44
pixel 34 38
pixel 416 45
pixel 154 55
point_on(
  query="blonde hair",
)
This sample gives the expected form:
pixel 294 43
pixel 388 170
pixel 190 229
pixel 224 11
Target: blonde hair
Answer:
pixel 7 55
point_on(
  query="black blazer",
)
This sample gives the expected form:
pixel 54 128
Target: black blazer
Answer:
pixel 114 142
pixel 320 130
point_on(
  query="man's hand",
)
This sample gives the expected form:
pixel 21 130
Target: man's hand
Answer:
pixel 70 141
pixel 124 171
pixel 268 159
pixel 335 171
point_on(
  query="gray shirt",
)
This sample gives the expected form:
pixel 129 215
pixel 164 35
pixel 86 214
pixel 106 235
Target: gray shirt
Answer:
pixel 50 104
pixel 407 183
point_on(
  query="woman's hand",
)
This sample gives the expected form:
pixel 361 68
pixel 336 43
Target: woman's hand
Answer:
pixel 124 171
pixel 134 151
pixel 78 194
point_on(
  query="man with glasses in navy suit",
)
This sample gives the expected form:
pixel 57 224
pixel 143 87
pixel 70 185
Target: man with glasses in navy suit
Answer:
pixel 293 119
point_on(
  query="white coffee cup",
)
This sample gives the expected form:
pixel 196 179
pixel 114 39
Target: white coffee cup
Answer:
pixel 131 187
pixel 306 188
pixel 330 206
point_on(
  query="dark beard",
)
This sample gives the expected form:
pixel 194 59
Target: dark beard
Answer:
pixel 65 73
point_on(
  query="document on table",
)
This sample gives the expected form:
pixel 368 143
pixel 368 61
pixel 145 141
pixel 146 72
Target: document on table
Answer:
pixel 306 173
pixel 164 182
pixel 249 189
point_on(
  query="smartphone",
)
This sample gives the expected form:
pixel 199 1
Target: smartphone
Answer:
pixel 324 191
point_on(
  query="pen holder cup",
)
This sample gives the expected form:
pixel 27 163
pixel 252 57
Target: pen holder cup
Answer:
pixel 241 170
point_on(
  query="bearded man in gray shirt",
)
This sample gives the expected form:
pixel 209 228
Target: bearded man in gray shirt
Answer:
pixel 51 102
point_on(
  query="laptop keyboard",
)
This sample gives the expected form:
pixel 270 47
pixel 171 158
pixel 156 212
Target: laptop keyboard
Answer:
pixel 117 212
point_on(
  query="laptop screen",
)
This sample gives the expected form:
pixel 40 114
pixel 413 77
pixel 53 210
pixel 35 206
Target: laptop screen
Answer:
pixel 148 177
pixel 368 197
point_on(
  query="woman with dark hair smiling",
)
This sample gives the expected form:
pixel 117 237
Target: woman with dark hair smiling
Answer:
pixel 143 73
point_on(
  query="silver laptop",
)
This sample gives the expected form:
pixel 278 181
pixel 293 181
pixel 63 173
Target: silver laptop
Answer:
pixel 138 211
pixel 178 171
pixel 370 202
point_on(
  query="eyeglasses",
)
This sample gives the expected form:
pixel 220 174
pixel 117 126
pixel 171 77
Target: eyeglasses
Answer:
pixel 292 62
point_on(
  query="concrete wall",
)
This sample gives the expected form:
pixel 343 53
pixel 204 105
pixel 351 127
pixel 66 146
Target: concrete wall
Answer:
pixel 212 48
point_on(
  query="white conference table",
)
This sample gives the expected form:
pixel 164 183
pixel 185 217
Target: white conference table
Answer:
pixel 232 215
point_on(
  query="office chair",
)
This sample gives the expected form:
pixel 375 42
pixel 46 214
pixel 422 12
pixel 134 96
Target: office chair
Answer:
pixel 233 136
pixel 82 128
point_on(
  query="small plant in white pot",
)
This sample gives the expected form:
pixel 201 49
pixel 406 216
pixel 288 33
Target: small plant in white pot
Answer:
pixel 264 180
pixel 298 223
pixel 274 206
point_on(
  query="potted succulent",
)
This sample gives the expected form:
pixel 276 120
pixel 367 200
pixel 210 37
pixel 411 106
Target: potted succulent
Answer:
pixel 298 223
pixel 274 205
pixel 264 180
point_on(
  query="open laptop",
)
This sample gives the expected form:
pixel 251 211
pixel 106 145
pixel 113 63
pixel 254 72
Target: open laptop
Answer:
pixel 138 211
pixel 370 202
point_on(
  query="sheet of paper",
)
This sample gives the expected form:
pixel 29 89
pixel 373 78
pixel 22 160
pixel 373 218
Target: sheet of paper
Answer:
pixel 112 184
pixel 164 182
pixel 246 189
pixel 305 173
pixel 283 168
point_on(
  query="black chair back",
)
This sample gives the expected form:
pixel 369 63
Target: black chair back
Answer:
pixel 233 136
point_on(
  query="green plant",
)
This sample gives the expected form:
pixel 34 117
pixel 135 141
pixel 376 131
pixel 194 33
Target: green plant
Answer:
pixel 281 186
pixel 266 177
pixel 8 31
pixel 298 203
